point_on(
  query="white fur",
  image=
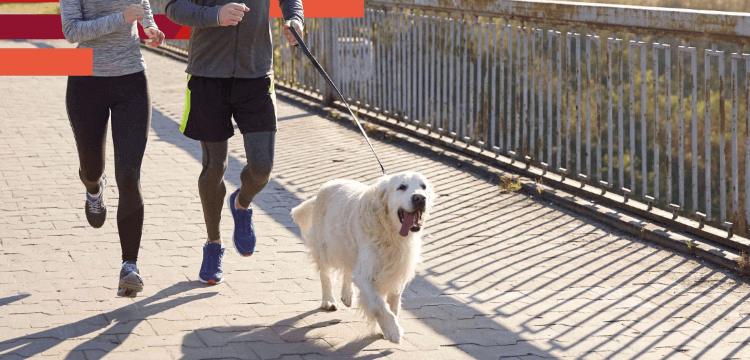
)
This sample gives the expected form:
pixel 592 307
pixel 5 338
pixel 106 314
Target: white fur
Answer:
pixel 352 228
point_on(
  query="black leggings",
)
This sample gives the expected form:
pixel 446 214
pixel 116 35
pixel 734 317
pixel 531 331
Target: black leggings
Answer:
pixel 90 101
pixel 259 148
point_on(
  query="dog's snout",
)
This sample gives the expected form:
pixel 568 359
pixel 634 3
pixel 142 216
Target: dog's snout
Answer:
pixel 419 200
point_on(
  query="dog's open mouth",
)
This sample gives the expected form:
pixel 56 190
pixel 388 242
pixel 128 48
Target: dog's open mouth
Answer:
pixel 409 221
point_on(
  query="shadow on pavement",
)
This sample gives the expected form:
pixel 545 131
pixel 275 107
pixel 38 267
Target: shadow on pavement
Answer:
pixel 119 324
pixel 473 329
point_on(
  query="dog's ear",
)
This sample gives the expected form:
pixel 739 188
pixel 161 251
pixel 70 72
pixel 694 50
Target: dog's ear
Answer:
pixel 375 207
pixel 379 195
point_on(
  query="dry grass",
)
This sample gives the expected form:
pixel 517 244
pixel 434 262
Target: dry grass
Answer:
pixel 744 262
pixel 30 8
pixel 508 185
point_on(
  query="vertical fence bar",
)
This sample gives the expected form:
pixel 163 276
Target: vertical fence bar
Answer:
pixel 532 91
pixel 560 77
pixel 610 95
pixel 395 65
pixel 475 123
pixel 566 78
pixel 424 66
pixel 680 71
pixel 462 128
pixel 493 110
pixel 707 134
pixel 540 93
pixel 509 94
pixel 620 128
pixel 644 124
pixel 471 41
pixel 631 72
pixel 525 89
pixel 503 129
pixel 414 43
pixel 433 71
pixel 589 84
pixel 550 77
pixel 747 140
pixel 722 141
pixel 446 80
pixel 735 162
pixel 485 78
pixel 517 87
pixel 410 73
pixel 404 65
pixel 656 119
pixel 668 111
pixel 451 54
pixel 578 104
pixel 440 84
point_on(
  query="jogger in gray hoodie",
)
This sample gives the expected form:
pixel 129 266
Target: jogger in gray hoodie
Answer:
pixel 230 75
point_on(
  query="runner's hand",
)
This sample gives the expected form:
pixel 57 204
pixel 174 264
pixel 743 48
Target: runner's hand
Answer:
pixel 133 13
pixel 297 26
pixel 231 14
pixel 155 37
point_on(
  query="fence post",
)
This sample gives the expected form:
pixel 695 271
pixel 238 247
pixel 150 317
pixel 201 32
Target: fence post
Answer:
pixel 329 29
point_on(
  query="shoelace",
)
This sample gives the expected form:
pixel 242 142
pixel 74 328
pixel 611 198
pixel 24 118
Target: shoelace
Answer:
pixel 95 206
pixel 246 221
pixel 129 267
pixel 214 254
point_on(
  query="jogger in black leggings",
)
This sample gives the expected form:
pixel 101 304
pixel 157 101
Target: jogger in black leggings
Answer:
pixel 118 90
pixel 89 101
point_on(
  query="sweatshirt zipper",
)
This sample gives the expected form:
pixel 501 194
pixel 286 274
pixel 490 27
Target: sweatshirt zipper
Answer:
pixel 236 41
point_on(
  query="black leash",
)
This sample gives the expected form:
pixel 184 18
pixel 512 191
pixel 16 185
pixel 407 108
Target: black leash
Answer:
pixel 301 45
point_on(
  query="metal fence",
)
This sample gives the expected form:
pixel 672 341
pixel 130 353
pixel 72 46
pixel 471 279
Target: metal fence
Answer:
pixel 632 100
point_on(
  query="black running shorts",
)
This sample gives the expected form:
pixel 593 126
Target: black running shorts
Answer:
pixel 210 104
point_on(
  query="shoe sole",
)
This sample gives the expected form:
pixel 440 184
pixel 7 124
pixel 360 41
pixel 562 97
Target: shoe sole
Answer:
pixel 127 293
pixel 229 204
pixel 211 282
pixel 131 282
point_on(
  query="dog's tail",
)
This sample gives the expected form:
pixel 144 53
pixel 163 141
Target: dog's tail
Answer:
pixel 302 215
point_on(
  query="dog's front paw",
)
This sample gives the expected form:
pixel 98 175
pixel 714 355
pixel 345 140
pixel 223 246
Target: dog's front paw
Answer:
pixel 329 305
pixel 393 333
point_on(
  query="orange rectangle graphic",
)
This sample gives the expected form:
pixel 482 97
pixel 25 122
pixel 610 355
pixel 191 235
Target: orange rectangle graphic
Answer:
pixel 46 62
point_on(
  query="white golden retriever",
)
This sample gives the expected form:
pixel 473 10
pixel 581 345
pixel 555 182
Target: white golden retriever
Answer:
pixel 372 235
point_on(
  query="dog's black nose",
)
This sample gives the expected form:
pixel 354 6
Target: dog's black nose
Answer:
pixel 419 200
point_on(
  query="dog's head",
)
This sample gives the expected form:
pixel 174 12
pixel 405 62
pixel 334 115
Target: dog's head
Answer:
pixel 405 200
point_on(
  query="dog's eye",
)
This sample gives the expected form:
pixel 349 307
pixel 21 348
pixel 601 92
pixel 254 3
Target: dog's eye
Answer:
pixel 424 187
pixel 402 187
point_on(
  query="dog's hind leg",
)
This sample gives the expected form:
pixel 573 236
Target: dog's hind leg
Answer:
pixel 394 301
pixel 347 290
pixel 329 300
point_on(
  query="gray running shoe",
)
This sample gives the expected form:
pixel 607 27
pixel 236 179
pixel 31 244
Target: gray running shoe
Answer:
pixel 130 280
pixel 96 211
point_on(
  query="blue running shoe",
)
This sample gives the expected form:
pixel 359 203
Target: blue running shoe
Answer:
pixel 212 270
pixel 244 231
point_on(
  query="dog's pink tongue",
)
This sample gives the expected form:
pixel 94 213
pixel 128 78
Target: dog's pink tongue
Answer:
pixel 408 222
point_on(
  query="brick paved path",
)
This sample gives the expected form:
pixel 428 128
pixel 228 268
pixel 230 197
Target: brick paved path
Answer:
pixel 504 276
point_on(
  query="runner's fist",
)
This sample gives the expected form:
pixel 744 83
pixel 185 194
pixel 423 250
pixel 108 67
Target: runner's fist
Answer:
pixel 155 37
pixel 231 14
pixel 133 13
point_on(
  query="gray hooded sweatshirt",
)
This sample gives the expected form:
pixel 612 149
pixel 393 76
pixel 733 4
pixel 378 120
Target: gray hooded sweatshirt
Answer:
pixel 241 51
